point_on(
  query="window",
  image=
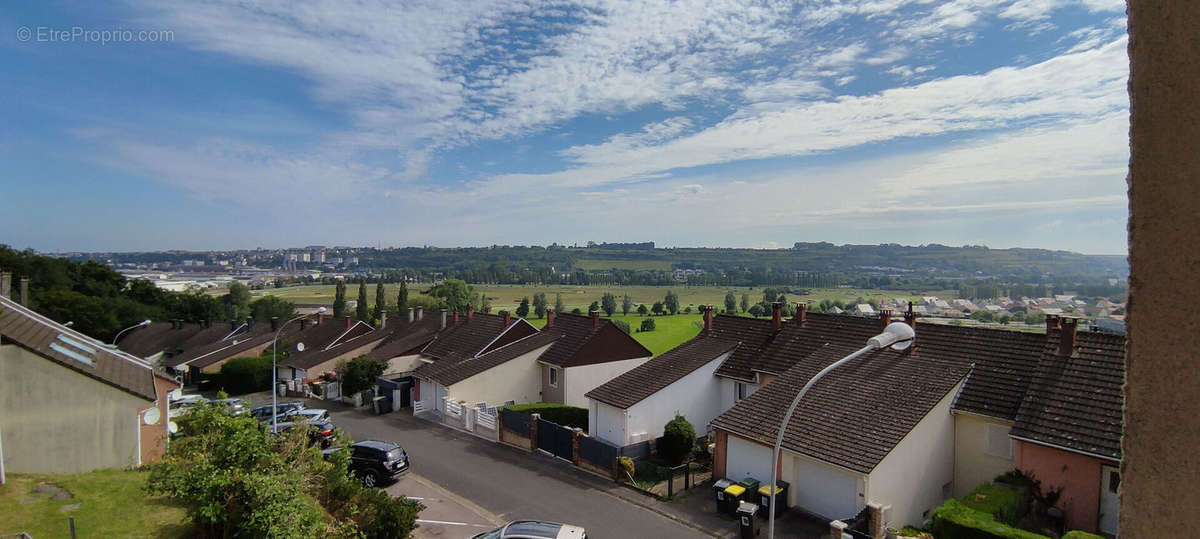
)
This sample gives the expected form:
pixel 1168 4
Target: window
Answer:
pixel 743 391
pixel 998 442
pixel 553 376
pixel 1114 481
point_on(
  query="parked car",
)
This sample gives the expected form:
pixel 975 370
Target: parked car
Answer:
pixel 321 432
pixel 533 529
pixel 183 404
pixel 314 414
pixel 375 462
pixel 236 406
pixel 286 409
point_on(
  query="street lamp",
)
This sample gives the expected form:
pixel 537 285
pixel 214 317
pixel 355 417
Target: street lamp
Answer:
pixel 143 323
pixel 897 335
pixel 275 373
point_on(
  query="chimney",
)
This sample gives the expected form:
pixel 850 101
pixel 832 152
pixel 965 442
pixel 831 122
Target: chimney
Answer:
pixel 24 297
pixel 320 318
pixel 885 318
pixel 382 319
pixel 456 317
pixel 1051 323
pixel 595 319
pixel 470 312
pixel 421 313
pixel 776 315
pixel 507 318
pixel 5 284
pixel 249 323
pixel 708 319
pixel 303 323
pixel 549 318
pixel 487 309
pixel 801 313
pixel 410 314
pixel 910 317
pixel 443 316
pixel 347 318
pixel 233 325
pixel 274 323
pixel 1066 337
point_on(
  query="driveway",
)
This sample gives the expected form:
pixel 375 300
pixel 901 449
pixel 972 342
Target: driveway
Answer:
pixel 484 481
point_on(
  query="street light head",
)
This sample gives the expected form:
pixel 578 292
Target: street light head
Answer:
pixel 897 335
pixel 145 322
pixel 320 310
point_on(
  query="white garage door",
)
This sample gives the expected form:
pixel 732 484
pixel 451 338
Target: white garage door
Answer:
pixel 747 459
pixel 824 490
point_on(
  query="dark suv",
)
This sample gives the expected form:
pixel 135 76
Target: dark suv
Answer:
pixel 320 433
pixel 376 462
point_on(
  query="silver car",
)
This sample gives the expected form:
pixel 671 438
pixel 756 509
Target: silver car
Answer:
pixel 533 529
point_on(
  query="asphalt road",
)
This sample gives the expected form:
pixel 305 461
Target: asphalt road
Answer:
pixel 506 482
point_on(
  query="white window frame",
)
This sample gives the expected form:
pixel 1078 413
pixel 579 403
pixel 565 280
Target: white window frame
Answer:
pixel 553 377
pixel 995 431
pixel 741 390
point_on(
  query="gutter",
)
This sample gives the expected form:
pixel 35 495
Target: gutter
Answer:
pixel 1067 449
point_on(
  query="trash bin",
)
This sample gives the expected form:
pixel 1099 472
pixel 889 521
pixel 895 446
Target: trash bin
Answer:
pixel 719 487
pixel 377 404
pixel 734 495
pixel 749 525
pixel 781 496
pixel 751 485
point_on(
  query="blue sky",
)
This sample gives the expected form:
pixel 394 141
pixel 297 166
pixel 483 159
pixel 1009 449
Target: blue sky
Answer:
pixel 218 125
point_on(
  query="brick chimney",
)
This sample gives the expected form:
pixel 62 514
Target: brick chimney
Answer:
pixel 23 299
pixel 1051 323
pixel 1066 337
pixel 708 319
pixel 456 317
pixel 801 313
pixel 470 313
pixel 910 317
pixel 549 318
pixel 885 318
pixel 320 318
pixel 382 319
pixel 443 317
pixel 249 322
pixel 274 323
pixel 595 319
pixel 776 315
pixel 420 312
pixel 410 314
pixel 347 319
pixel 5 284
pixel 507 318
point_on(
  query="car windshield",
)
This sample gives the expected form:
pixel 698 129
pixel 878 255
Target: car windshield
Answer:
pixel 494 534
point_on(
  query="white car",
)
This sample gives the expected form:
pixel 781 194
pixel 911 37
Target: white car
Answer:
pixel 313 414
pixel 532 529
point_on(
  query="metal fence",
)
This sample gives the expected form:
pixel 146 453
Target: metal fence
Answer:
pixel 638 451
pixel 517 422
pixel 597 452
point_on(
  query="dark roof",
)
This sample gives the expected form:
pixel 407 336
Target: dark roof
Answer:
pixel 258 334
pixel 754 336
pixel 1003 366
pixel 74 350
pixel 581 342
pixel 324 343
pixel 856 414
pixel 468 339
pixel 158 337
pixel 644 380
pixel 406 338
pixel 1076 402
pixel 450 370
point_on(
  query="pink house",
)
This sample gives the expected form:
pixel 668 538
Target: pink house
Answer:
pixel 1067 433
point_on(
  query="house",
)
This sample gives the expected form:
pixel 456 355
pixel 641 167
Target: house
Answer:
pixel 1067 432
pixel 634 406
pixel 503 348
pixel 863 309
pixel 250 338
pixel 401 350
pixel 69 403
pixel 587 352
pixel 325 346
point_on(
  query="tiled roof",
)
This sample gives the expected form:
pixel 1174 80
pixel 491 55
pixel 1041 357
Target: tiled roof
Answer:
pixel 406 338
pixel 1076 402
pixel 646 379
pixel 470 338
pixel 158 337
pixel 754 336
pixel 76 351
pixel 313 334
pixel 580 343
pixel 450 370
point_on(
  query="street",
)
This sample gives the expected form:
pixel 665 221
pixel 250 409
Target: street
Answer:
pixel 472 481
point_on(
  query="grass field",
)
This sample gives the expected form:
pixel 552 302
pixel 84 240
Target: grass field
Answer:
pixel 601 264
pixel 669 331
pixel 508 296
pixel 112 504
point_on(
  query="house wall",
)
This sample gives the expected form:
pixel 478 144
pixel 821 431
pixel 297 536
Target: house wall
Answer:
pixel 251 352
pixel 816 487
pixel 430 394
pixel 154 437
pixel 916 475
pixel 728 392
pixel 331 364
pixel 579 380
pixel 973 465
pixel 403 364
pixel 514 380
pixel 695 396
pixel 56 420
pixel 1077 474
pixel 607 423
pixel 555 395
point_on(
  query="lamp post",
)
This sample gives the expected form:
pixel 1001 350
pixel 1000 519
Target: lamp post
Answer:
pixel 143 323
pixel 275 373
pixel 897 335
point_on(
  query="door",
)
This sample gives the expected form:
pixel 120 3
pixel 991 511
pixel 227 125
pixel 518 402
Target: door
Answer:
pixel 1110 481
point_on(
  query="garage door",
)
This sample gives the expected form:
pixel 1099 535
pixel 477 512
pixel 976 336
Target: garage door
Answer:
pixel 747 459
pixel 824 490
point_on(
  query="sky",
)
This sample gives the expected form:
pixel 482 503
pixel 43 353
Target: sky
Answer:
pixel 228 124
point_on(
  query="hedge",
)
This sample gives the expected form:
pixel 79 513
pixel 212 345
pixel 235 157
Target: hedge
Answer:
pixel 567 416
pixel 242 375
pixel 954 520
pixel 1081 535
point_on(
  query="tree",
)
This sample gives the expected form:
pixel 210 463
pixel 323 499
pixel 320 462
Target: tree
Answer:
pixel 594 306
pixel 402 298
pixel 380 300
pixel 679 437
pixel 558 303
pixel 770 295
pixel 642 310
pixel 671 302
pixel 626 304
pixel 730 302
pixel 745 304
pixel 237 301
pixel 647 325
pixel 268 307
pixel 540 304
pixel 454 292
pixel 657 308
pixel 339 299
pixel 361 312
pixel 756 310
pixel 608 303
pixel 359 374
pixel 622 325
pixel 577 310
pixel 523 308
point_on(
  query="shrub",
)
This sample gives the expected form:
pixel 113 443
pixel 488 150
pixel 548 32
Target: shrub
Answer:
pixel 622 325
pixel 678 439
pixel 647 325
pixel 359 374
pixel 627 467
pixel 651 472
pixel 954 520
pixel 1076 534
pixel 567 416
pixel 242 375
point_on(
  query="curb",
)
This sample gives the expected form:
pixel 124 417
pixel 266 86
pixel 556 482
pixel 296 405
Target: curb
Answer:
pixel 487 515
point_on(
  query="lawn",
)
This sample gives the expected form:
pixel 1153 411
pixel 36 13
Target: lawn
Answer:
pixel 112 503
pixel 669 332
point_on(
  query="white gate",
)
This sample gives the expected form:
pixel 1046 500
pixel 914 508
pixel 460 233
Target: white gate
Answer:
pixel 1110 480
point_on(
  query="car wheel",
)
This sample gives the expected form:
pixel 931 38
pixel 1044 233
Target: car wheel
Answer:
pixel 371 479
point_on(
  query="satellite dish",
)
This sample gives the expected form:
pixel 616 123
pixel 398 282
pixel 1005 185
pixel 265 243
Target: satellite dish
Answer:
pixel 151 416
pixel 299 347
pixel 172 427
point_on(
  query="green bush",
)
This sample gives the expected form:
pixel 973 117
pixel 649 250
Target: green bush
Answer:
pixel 651 472
pixel 678 439
pixel 627 467
pixel 1081 535
pixel 567 416
pixel 622 325
pixel 954 520
pixel 647 325
pixel 242 375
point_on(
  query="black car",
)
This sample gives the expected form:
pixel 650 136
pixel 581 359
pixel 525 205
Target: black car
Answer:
pixel 375 462
pixel 321 433
pixel 286 409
